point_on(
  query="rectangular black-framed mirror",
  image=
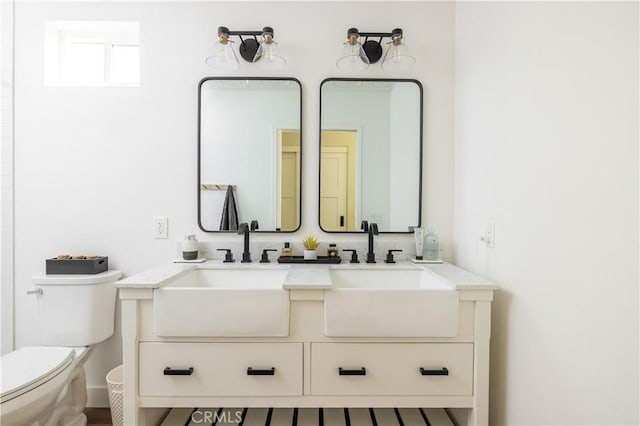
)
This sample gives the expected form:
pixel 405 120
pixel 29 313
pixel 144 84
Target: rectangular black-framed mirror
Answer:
pixel 249 153
pixel 370 154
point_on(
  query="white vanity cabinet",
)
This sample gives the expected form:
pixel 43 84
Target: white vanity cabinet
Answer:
pixel 220 369
pixel 307 369
pixel 392 369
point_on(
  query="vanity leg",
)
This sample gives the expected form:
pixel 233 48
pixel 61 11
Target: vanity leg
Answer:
pixel 133 414
pixel 480 412
pixel 306 362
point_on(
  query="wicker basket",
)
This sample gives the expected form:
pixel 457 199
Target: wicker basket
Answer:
pixel 114 387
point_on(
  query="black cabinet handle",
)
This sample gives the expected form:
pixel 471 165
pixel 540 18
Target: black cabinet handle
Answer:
pixel 169 372
pixel 345 372
pixel 341 220
pixel 257 372
pixel 442 372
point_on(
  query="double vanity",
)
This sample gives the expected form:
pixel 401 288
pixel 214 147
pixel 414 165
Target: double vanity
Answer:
pixel 357 336
pixel 304 335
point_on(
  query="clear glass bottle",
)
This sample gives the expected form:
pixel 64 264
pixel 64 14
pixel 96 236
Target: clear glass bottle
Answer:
pixel 332 251
pixel 287 253
pixel 431 249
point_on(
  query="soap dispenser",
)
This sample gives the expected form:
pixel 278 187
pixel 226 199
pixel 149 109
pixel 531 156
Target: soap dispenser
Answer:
pixel 431 249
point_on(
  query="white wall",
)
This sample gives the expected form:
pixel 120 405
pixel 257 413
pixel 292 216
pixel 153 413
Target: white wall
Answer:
pixel 6 176
pixel 94 165
pixel 546 147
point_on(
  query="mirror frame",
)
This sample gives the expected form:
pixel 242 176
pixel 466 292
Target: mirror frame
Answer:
pixel 389 80
pixel 204 80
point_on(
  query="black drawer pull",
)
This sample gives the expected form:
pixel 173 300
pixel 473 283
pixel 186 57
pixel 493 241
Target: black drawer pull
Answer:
pixel 257 372
pixel 345 372
pixel 442 372
pixel 169 372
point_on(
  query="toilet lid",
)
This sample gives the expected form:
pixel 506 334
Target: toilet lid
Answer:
pixel 29 367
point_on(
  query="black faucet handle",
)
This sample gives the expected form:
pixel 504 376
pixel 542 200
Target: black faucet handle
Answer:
pixel 228 257
pixel 389 258
pixel 354 255
pixel 265 255
pixel 364 225
pixel 243 227
pixel 254 225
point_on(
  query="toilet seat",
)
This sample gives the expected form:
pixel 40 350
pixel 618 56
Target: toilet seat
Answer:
pixel 30 367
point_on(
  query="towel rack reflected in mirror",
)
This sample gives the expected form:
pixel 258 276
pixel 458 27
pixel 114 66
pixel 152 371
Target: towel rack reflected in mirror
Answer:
pixel 216 187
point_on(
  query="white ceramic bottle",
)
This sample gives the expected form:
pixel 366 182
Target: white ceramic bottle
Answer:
pixel 190 247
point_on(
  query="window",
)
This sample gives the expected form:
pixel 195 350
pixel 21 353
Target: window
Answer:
pixel 92 53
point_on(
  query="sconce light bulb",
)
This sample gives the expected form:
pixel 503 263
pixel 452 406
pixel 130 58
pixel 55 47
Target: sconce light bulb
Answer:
pixel 352 57
pixel 267 56
pixel 224 58
pixel 396 57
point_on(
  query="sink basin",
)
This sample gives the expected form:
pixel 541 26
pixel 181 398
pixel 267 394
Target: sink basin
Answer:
pixel 246 302
pixel 390 302
pixel 390 279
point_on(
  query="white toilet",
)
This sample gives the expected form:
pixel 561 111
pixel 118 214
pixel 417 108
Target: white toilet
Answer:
pixel 45 385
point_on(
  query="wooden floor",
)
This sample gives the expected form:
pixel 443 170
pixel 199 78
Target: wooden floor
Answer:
pixel 308 417
pixel 98 416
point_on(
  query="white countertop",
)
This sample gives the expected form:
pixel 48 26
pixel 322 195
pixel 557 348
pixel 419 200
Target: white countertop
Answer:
pixel 155 278
pixel 463 279
pixel 304 276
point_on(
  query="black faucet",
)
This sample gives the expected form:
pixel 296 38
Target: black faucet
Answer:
pixel 372 229
pixel 244 228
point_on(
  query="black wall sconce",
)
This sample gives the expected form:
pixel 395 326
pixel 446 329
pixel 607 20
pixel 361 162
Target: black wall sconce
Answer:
pixel 356 56
pixel 263 52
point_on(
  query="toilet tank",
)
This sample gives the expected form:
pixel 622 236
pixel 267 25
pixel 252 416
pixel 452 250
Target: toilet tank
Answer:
pixel 76 310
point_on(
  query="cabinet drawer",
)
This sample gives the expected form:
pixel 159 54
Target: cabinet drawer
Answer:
pixel 391 369
pixel 220 369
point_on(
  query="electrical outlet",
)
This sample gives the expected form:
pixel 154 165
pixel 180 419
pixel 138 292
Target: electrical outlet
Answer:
pixel 489 236
pixel 160 228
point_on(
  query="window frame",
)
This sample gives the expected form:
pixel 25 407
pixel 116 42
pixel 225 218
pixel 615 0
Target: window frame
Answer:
pixel 106 34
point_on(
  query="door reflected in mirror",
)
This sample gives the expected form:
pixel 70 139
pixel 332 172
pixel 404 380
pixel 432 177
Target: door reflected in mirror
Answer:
pixel 249 153
pixel 370 154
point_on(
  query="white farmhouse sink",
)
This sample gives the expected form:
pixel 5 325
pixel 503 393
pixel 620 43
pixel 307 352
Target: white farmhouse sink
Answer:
pixel 390 302
pixel 223 302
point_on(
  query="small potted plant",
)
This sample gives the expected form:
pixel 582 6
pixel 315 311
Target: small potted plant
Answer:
pixel 310 248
